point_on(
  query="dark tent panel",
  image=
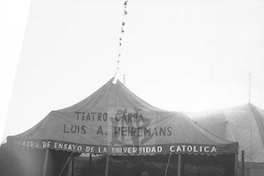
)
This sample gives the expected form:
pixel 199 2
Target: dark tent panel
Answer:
pixel 156 165
pixel 17 161
pixel 26 161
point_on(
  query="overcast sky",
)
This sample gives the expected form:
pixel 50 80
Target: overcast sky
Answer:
pixel 180 55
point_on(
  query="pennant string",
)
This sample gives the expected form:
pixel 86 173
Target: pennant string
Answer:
pixel 121 37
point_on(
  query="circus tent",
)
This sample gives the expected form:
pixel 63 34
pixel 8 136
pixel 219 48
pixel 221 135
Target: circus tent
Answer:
pixel 115 122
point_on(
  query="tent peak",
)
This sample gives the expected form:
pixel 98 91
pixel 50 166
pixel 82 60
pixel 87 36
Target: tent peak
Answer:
pixel 114 80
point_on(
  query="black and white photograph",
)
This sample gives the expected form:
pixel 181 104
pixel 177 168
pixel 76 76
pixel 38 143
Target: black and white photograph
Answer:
pixel 132 88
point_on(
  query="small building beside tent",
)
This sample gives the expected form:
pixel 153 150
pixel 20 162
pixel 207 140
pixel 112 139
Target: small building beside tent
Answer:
pixel 243 124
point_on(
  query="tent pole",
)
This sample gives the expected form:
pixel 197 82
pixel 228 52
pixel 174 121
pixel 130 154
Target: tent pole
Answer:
pixel 236 164
pixel 106 165
pixel 72 171
pixel 179 165
pixel 243 163
pixel 46 162
pixel 90 163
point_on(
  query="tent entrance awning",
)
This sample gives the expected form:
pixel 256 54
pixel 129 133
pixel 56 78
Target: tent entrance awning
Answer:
pixel 128 150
